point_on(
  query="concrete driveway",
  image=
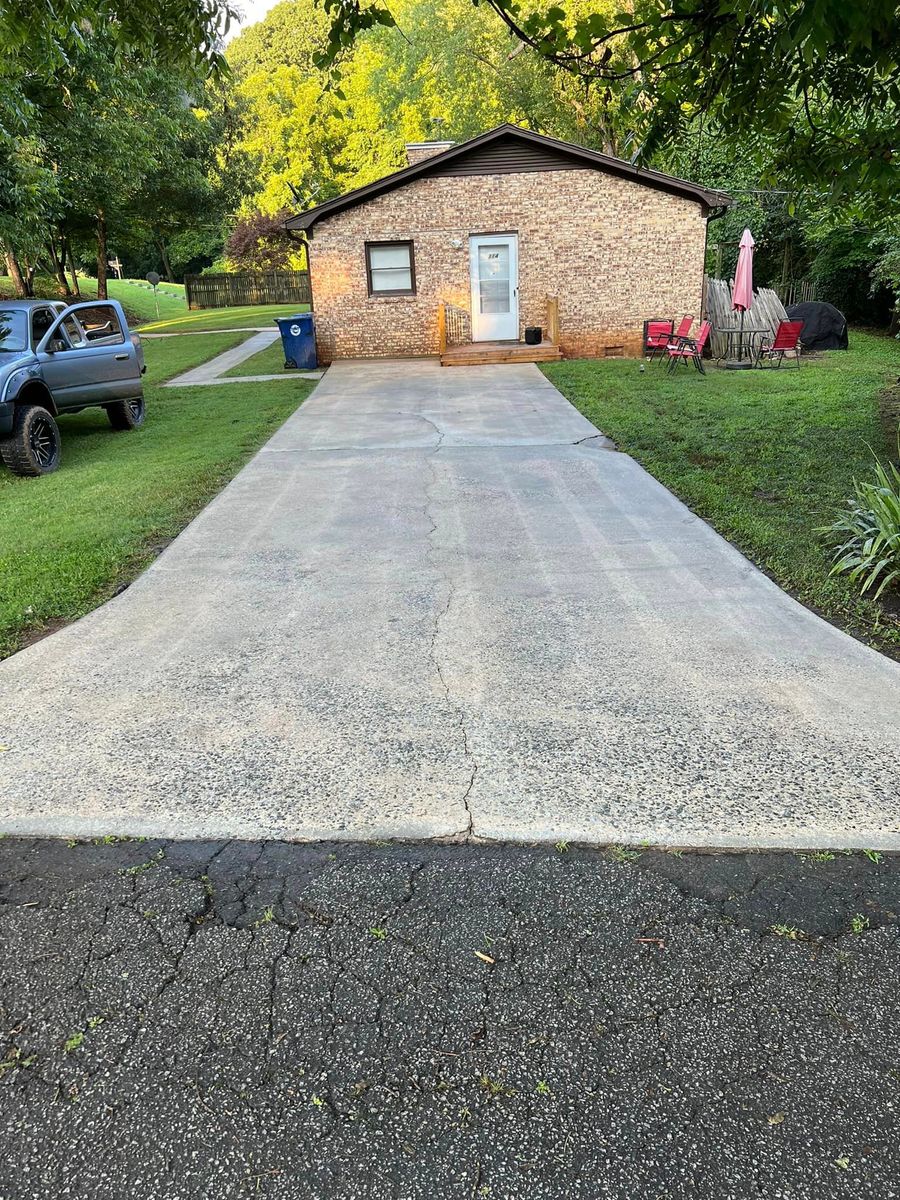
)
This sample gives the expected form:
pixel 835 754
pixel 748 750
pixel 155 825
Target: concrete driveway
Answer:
pixel 437 604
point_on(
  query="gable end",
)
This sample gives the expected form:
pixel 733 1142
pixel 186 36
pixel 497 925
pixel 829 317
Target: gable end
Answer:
pixel 506 156
pixel 506 150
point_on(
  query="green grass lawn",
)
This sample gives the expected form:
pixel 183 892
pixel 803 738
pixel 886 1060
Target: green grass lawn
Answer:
pixel 267 362
pixel 764 456
pixel 248 316
pixel 135 295
pixel 68 540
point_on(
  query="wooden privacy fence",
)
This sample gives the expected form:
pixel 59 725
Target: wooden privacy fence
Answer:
pixel 798 291
pixel 248 287
pixel 766 312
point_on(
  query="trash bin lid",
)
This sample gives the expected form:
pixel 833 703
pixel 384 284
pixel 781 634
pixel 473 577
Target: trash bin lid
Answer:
pixel 304 320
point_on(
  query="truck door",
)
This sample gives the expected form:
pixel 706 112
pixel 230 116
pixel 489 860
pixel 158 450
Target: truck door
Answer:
pixel 90 356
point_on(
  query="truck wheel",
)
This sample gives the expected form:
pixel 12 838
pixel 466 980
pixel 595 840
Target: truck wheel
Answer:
pixel 126 414
pixel 33 447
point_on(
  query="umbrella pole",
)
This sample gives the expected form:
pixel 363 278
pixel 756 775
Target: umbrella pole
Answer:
pixel 741 339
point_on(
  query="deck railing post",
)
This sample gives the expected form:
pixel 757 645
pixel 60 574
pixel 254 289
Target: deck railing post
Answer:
pixel 442 327
pixel 553 319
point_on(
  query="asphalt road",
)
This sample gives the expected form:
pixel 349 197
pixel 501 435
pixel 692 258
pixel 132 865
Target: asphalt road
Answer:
pixel 408 1022
pixel 438 604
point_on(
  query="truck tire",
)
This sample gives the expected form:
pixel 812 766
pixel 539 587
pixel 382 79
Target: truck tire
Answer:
pixel 33 447
pixel 126 414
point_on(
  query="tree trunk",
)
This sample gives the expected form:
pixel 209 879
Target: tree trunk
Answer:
pixel 102 256
pixel 67 247
pixel 14 271
pixel 30 270
pixel 164 255
pixel 58 259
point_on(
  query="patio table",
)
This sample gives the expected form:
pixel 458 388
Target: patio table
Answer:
pixel 738 341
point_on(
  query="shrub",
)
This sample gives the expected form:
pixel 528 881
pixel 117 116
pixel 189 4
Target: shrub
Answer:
pixel 866 535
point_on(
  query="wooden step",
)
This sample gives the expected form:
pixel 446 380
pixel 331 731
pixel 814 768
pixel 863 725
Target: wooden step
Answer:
pixel 481 353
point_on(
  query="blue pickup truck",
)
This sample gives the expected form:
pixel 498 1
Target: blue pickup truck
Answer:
pixel 57 358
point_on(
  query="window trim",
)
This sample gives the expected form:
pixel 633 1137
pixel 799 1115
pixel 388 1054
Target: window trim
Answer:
pixel 411 290
pixel 82 343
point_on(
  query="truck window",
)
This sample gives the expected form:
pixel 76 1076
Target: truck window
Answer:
pixel 13 331
pixel 41 320
pixel 101 325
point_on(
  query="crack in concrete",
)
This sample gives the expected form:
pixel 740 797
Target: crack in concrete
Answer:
pixel 606 443
pixel 399 412
pixel 467 832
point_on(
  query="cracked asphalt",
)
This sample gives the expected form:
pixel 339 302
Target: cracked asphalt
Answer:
pixel 402 1022
pixel 438 604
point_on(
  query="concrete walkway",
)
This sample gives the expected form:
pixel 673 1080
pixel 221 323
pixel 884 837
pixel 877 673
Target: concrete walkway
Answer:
pixel 437 605
pixel 214 371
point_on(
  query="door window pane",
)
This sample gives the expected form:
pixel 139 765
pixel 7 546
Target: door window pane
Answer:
pixel 494 295
pixel 493 279
pixel 101 325
pixel 493 262
pixel 390 267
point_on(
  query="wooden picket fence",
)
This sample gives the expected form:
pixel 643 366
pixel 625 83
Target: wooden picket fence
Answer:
pixel 766 312
pixel 247 287
pixel 797 291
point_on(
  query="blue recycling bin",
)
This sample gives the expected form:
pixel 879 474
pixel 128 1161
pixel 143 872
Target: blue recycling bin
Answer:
pixel 298 338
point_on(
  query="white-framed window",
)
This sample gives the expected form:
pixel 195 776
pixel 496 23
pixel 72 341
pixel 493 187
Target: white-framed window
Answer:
pixel 390 268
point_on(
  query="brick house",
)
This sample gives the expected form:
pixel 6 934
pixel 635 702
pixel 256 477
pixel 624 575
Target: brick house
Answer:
pixel 462 250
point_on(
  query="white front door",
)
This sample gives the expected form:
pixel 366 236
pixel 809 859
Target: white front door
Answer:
pixel 494 264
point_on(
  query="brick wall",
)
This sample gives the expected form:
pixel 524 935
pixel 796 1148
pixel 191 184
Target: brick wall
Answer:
pixel 614 251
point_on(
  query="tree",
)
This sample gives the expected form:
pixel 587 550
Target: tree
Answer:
pixel 444 70
pixel 178 194
pixel 820 77
pixel 260 242
pixel 886 274
pixel 103 131
pixel 292 34
pixel 124 155
pixel 50 49
pixel 39 36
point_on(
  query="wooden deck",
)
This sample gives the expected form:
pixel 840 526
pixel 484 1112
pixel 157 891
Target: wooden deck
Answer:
pixel 478 353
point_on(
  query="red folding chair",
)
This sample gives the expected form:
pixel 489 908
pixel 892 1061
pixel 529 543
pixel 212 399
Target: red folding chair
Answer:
pixel 689 350
pixel 785 343
pixel 657 335
pixel 684 328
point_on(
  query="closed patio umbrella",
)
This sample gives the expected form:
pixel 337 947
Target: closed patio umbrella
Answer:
pixel 742 288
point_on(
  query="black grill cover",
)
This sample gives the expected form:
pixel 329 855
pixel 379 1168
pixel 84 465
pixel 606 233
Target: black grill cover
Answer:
pixel 824 328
